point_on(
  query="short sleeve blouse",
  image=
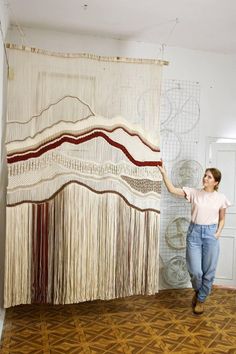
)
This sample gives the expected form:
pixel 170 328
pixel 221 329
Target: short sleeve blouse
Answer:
pixel 205 206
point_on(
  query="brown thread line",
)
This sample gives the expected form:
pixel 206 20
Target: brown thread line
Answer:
pixel 53 104
pixel 91 189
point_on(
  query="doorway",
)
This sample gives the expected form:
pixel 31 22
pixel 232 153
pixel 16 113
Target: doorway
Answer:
pixel 222 154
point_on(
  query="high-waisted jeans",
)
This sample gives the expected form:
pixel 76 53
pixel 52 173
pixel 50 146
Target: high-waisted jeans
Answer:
pixel 202 253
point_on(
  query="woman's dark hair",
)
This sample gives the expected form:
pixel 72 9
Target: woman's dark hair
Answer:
pixel 216 174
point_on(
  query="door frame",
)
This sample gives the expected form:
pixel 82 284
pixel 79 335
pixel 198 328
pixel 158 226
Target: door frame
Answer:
pixel 209 141
pixel 229 231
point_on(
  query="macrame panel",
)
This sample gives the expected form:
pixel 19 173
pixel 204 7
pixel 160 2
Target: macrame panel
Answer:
pixel 82 151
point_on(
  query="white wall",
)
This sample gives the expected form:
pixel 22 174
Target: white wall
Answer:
pixel 3 172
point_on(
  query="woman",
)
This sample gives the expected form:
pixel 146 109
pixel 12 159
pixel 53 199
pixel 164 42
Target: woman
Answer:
pixel 208 208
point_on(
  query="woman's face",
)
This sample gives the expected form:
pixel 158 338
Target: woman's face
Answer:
pixel 209 181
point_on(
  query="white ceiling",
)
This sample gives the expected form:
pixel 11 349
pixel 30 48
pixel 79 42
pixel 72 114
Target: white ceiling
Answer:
pixel 208 25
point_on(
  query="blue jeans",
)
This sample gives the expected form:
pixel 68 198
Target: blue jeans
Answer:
pixel 202 253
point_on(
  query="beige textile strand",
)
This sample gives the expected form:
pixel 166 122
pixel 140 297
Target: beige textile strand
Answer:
pixel 51 250
pixel 96 251
pixel 17 286
pixel 104 249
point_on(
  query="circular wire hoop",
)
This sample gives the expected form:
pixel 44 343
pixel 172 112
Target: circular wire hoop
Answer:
pixel 175 272
pixel 176 232
pixel 186 173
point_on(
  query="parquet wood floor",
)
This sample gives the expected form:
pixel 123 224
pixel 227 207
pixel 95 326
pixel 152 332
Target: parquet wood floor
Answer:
pixel 163 323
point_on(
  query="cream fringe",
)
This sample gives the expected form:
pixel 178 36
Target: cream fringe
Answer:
pixel 100 249
pixel 17 285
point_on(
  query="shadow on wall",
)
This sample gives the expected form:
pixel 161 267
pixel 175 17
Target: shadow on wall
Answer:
pixel 4 18
pixel 3 184
pixel 3 179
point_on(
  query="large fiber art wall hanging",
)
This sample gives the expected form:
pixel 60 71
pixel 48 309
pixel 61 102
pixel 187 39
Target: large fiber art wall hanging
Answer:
pixel 83 196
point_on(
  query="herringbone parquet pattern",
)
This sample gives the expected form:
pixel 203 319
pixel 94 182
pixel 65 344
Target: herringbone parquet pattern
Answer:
pixel 141 324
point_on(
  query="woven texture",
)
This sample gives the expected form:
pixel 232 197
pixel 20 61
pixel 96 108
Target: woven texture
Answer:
pixel 83 195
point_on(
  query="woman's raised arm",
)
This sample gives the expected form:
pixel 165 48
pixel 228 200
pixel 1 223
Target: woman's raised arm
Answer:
pixel 169 185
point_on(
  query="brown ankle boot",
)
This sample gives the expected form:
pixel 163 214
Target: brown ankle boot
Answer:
pixel 194 299
pixel 199 308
